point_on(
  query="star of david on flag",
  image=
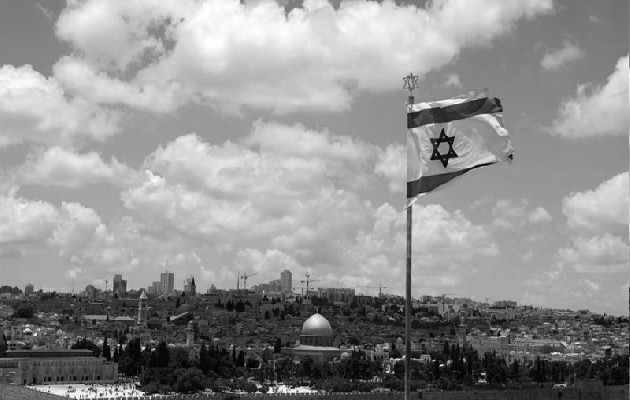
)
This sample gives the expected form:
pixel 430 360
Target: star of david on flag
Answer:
pixel 448 138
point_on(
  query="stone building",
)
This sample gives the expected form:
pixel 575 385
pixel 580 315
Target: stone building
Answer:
pixel 57 366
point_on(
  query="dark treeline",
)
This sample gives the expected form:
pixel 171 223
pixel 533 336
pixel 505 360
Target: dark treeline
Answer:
pixel 179 369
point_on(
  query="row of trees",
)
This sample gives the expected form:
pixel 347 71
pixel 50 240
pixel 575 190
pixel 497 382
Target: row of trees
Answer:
pixel 165 369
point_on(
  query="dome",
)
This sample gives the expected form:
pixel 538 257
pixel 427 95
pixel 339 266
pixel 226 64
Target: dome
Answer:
pixel 316 325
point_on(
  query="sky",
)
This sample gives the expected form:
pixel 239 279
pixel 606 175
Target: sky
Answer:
pixel 212 138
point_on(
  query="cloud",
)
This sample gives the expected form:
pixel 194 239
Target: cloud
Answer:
pixel 264 200
pixel 230 54
pixel 391 164
pixel 509 214
pixel 599 254
pixel 527 257
pixel 588 270
pixel 59 167
pixel 452 80
pixel 594 19
pixel 605 206
pixel 563 286
pixel 600 110
pixel 48 14
pixel 265 264
pixel 36 109
pixel 24 221
pixel 555 59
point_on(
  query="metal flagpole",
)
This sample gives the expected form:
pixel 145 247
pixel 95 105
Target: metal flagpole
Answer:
pixel 411 83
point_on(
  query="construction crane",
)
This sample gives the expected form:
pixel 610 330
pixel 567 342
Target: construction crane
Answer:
pixel 244 277
pixel 308 281
pixel 380 288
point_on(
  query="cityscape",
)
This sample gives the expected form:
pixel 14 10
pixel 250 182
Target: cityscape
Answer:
pixel 314 199
pixel 273 339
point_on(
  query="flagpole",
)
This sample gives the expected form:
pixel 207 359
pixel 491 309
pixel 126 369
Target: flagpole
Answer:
pixel 411 83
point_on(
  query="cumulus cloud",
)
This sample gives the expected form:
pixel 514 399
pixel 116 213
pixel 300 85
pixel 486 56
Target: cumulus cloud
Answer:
pixel 36 109
pixel 510 214
pixel 231 54
pixel 605 206
pixel 23 221
pixel 59 167
pixel 76 232
pixel 599 254
pixel 391 164
pixel 265 191
pixel 555 59
pixel 597 110
pixel 590 267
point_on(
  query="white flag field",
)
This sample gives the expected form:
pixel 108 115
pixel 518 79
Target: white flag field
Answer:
pixel 448 138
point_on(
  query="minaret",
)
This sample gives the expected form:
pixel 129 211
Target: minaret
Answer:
pixel 142 309
pixel 461 334
pixel 190 334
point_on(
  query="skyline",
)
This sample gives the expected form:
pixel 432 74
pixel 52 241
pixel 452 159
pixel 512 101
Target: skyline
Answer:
pixel 214 138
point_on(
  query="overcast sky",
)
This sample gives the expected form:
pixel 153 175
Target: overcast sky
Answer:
pixel 212 137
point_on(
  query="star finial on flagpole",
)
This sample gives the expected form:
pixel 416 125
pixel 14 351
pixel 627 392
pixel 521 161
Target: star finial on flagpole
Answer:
pixel 411 83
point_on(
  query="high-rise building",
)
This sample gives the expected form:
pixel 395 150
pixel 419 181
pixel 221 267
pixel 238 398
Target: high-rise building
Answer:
pixel 337 295
pixel 167 282
pixel 154 288
pixel 28 289
pixel 120 285
pixel 286 279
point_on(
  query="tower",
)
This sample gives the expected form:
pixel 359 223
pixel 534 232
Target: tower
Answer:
pixel 190 288
pixel 142 309
pixel 461 335
pixel 190 334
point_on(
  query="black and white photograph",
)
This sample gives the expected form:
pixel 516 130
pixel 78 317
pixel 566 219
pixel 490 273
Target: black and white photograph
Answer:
pixel 207 199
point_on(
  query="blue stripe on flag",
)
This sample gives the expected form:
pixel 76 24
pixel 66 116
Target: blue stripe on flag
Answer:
pixel 429 183
pixel 439 115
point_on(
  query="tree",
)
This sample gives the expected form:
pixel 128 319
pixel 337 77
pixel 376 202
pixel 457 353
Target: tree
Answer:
pixel 240 361
pixel 205 361
pixel 277 348
pixel 106 350
pixel 191 380
pixel 162 355
pixel 179 358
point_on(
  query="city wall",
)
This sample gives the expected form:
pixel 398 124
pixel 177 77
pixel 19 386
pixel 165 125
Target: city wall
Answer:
pixel 571 393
